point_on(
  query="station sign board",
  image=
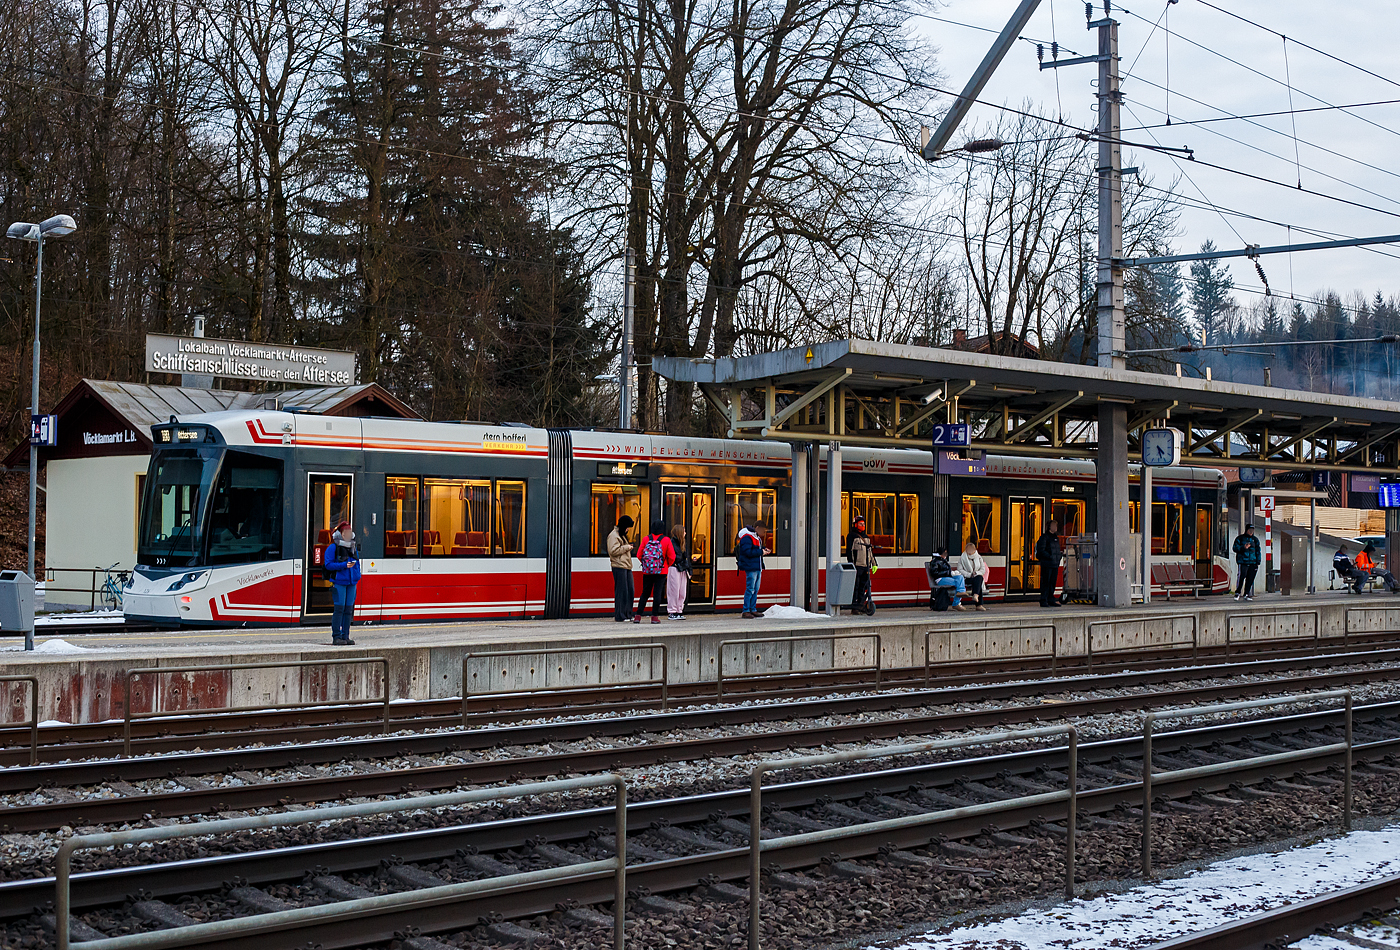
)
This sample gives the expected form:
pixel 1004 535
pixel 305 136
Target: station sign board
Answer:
pixel 1265 504
pixel 43 430
pixel 962 463
pixel 233 359
pixel 1366 483
pixel 951 435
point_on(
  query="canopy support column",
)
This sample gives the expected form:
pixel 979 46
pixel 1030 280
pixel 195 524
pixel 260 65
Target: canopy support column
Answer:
pixel 798 528
pixel 833 525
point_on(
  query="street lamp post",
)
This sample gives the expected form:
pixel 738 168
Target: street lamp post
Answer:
pixel 57 226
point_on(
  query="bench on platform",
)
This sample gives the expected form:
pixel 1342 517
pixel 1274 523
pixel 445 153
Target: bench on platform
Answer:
pixel 1171 578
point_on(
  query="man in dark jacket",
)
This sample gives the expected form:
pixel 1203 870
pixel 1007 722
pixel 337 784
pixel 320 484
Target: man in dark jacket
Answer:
pixel 1347 571
pixel 1247 556
pixel 860 551
pixel 342 557
pixel 748 555
pixel 1047 555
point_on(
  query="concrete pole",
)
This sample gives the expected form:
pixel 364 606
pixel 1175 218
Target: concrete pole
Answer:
pixel 814 520
pixel 833 524
pixel 797 532
pixel 1111 576
pixel 34 411
pixel 624 369
pixel 1312 543
pixel 1145 523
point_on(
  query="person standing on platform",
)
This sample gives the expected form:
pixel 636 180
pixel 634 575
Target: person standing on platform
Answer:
pixel 657 556
pixel 620 556
pixel 1247 558
pixel 678 577
pixel 973 568
pixel 342 558
pixel 860 551
pixel 1047 555
pixel 748 553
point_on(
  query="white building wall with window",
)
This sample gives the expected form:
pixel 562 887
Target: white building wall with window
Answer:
pixel 90 509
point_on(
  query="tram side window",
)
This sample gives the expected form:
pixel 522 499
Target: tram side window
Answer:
pixel 245 523
pixel 400 517
pixel 1068 513
pixel 607 503
pixel 456 517
pixel 510 519
pixel 744 506
pixel 878 510
pixel 981 522
pixel 907 535
pixel 1167 521
pixel 1133 518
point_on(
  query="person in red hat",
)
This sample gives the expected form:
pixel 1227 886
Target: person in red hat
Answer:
pixel 343 560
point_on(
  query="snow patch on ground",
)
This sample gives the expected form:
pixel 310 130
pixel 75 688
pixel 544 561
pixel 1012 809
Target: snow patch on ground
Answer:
pixel 1222 893
pixel 54 645
pixel 786 612
pixel 84 617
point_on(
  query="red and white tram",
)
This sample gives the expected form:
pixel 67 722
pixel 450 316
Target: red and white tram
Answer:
pixel 459 521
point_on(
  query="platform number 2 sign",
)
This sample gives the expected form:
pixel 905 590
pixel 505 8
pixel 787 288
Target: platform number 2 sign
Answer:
pixel 1266 504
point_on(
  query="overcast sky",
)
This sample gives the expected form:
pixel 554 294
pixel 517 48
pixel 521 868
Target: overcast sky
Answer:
pixel 1361 33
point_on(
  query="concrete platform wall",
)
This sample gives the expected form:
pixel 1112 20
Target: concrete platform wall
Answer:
pixel 89 689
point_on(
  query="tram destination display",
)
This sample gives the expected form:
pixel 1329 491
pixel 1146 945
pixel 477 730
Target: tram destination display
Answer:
pixel 232 359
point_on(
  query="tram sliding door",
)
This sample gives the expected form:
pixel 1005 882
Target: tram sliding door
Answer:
pixel 1205 529
pixel 694 507
pixel 1027 523
pixel 328 504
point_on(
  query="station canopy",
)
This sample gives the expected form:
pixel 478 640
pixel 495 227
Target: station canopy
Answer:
pixel 867 393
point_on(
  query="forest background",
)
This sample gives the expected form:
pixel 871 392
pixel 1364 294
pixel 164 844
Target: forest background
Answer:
pixel 447 190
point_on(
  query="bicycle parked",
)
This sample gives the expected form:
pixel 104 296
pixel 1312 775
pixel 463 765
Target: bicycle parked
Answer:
pixel 112 586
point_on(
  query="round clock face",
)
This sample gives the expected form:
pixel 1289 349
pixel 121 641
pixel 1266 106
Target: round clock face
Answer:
pixel 1157 446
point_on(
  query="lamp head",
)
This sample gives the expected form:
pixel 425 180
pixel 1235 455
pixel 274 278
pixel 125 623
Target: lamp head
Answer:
pixel 23 231
pixel 58 226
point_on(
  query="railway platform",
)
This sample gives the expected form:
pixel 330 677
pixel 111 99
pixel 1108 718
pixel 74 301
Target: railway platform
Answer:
pixel 84 677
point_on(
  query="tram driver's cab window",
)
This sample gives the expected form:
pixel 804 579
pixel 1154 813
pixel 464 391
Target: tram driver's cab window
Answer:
pixel 981 523
pixel 745 506
pixel 607 503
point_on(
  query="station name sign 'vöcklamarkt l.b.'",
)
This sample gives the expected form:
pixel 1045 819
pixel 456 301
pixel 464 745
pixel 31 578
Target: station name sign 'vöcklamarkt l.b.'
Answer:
pixel 232 359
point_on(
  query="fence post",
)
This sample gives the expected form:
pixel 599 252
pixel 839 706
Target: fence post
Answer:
pixel 755 852
pixel 1346 774
pixel 1147 796
pixel 620 878
pixel 385 662
pixel 1071 819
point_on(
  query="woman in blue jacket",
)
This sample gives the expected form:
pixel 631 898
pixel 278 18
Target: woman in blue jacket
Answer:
pixel 343 559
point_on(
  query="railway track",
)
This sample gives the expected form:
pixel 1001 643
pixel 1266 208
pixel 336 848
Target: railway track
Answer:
pixel 183 731
pixel 700 841
pixel 220 781
pixel 1331 914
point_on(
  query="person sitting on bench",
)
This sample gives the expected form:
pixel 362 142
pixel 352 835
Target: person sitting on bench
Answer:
pixel 1350 576
pixel 1367 565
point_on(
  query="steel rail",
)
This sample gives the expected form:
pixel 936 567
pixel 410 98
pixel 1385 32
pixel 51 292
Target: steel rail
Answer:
pixel 258 725
pixel 204 800
pixel 1294 920
pixel 730 864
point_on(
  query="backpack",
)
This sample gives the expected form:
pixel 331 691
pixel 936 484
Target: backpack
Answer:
pixel 653 557
pixel 328 572
pixel 942 599
pixel 1042 550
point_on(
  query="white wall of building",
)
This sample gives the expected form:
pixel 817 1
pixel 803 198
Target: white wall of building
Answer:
pixel 90 510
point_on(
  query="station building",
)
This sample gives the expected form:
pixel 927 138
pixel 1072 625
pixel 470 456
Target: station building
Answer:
pixel 95 474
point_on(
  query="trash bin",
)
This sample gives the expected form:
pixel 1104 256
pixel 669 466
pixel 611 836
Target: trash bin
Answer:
pixel 840 584
pixel 16 601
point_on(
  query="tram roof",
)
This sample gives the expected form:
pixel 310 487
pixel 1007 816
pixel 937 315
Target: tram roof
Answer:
pixel 866 392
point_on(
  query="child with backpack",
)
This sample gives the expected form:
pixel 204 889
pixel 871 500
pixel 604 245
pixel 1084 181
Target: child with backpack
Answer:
pixel 657 554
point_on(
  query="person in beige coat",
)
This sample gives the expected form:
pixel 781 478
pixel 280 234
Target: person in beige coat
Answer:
pixel 620 554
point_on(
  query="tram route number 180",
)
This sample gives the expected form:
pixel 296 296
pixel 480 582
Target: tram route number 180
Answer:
pixel 952 435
